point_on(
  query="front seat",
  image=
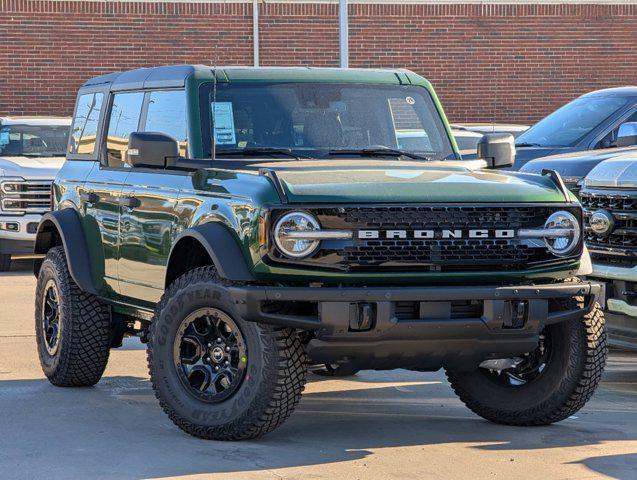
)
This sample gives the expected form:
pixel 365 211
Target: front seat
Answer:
pixel 323 129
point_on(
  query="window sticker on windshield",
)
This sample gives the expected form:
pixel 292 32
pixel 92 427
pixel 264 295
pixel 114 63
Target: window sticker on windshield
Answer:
pixel 4 138
pixel 410 100
pixel 224 123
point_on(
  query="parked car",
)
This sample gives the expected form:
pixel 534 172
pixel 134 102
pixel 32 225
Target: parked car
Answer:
pixel 573 167
pixel 590 122
pixel 609 197
pixel 513 128
pixel 299 231
pixel 32 150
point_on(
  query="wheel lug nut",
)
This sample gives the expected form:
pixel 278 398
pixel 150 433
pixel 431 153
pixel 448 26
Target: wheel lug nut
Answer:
pixel 219 340
pixel 227 349
pixel 210 344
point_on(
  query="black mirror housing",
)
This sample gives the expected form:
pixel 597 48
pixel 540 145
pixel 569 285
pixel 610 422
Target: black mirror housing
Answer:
pixel 497 149
pixel 151 150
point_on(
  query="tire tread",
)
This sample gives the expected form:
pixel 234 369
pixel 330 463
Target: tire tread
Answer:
pixel 587 380
pixel 287 380
pixel 85 339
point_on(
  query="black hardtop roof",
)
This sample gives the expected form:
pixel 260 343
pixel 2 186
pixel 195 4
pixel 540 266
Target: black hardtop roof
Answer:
pixel 175 75
pixel 155 77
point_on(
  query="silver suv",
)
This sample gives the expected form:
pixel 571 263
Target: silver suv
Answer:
pixel 610 200
pixel 32 150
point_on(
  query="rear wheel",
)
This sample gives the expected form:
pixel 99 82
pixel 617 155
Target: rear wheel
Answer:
pixel 5 262
pixel 72 327
pixel 216 375
pixel 546 385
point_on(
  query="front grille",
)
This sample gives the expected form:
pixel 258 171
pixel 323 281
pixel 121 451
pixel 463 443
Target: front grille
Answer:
pixel 619 247
pixel 30 196
pixel 433 254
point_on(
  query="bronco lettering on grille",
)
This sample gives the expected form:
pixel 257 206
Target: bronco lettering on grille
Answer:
pixel 429 234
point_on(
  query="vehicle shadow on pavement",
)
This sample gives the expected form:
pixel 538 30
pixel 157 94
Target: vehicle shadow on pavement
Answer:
pixel 117 430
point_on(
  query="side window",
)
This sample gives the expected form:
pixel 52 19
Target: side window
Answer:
pixel 167 114
pixel 123 120
pixel 84 129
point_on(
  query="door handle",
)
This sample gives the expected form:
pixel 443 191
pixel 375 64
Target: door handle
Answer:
pixel 130 202
pixel 89 197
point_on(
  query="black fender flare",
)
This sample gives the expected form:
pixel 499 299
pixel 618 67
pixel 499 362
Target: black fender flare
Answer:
pixel 222 247
pixel 65 225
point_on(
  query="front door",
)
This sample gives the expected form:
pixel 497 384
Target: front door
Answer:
pixel 149 201
pixel 147 230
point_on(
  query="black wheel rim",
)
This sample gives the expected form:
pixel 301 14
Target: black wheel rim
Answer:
pixel 531 368
pixel 51 320
pixel 210 355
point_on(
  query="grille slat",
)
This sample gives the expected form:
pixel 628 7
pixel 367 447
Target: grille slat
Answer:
pixel 30 196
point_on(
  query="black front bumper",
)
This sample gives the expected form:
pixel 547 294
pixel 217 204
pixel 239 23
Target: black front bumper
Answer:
pixel 507 322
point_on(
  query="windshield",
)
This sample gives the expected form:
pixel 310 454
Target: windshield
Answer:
pixel 33 140
pixel 322 120
pixel 567 125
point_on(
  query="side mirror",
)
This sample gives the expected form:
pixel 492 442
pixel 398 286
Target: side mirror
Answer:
pixel 152 150
pixel 627 135
pixel 497 149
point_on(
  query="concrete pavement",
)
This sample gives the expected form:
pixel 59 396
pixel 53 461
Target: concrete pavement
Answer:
pixel 377 425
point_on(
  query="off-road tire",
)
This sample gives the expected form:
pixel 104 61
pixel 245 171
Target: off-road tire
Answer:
pixel 84 339
pixel 339 371
pixel 564 387
pixel 275 373
pixel 5 262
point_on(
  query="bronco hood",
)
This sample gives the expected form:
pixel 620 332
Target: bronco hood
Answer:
pixel 39 168
pixel 404 182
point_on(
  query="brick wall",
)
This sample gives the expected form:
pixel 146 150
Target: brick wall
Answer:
pixel 487 62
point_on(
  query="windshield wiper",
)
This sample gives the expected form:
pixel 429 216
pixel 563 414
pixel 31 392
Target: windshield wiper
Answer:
pixel 379 152
pixel 251 152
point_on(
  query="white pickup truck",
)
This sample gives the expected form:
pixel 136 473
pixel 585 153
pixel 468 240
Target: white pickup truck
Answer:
pixel 32 150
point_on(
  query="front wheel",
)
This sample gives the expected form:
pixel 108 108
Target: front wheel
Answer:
pixel 546 385
pixel 215 375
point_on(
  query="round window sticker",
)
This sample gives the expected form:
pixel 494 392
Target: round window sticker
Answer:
pixel 410 100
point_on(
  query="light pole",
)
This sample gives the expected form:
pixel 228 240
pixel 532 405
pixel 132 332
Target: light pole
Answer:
pixel 343 34
pixel 255 32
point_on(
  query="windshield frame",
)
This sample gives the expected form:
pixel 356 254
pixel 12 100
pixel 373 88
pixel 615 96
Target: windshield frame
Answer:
pixel 206 91
pixel 60 153
pixel 524 138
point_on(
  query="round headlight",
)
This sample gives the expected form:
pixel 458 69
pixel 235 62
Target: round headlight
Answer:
pixel 295 222
pixel 565 243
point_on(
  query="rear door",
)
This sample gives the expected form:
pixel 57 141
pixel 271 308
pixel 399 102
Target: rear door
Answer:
pixel 104 185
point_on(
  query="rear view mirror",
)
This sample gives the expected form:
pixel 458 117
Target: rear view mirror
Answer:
pixel 627 134
pixel 151 150
pixel 497 149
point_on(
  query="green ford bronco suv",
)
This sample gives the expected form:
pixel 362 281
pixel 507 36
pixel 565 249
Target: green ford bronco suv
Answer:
pixel 248 223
